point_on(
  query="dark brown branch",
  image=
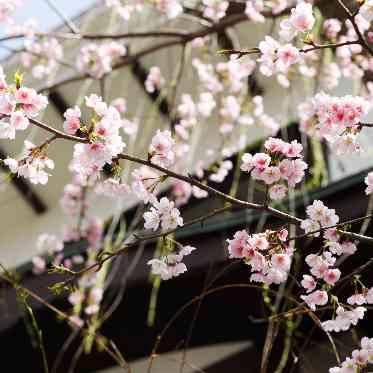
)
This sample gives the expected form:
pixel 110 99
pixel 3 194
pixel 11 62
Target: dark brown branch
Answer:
pixel 59 134
pixel 351 16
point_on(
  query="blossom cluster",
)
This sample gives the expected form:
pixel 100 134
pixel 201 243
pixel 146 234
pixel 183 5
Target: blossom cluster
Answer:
pixel 105 142
pixel 344 319
pixel 124 10
pixel 182 191
pixel 162 213
pixel 41 56
pixel 144 183
pixel 112 188
pixel 268 254
pixel 281 161
pixel 7 8
pixel 161 149
pixel 171 265
pixel 301 20
pixel 359 358
pixel 154 81
pixel 97 60
pixel 322 266
pixel 319 216
pixel 335 119
pixel 223 86
pixel 17 105
pixel 47 243
pixel 365 297
pixel 276 58
pixel 32 165
pixel 321 269
pixel 224 76
pixel 215 9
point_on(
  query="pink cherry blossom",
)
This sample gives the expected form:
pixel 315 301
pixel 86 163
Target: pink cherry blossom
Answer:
pixel 308 283
pixel 344 319
pixel 332 27
pixel 331 276
pixel 317 298
pixel 32 166
pixel 277 192
pixel 162 213
pixel 171 265
pixel 161 149
pixel 112 188
pixel 97 60
pixel 154 81
pixel 215 9
pixel 72 120
pixel 42 56
pixel 301 20
pixel 253 10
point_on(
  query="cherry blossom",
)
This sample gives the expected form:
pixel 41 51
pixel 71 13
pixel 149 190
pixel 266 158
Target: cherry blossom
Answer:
pixel 301 20
pixel 42 56
pixel 171 265
pixel 164 214
pixel 276 58
pixel 344 319
pixel 161 150
pixel 144 183
pixel 7 8
pixel 97 60
pixel 226 95
pixel 275 165
pixel 334 118
pixel 221 172
pixel 253 10
pixel 17 105
pixel 332 27
pixel 206 104
pixel 106 143
pixel 124 10
pixel 215 9
pixel 266 253
pixel 317 298
pixel 154 81
pixel 112 188
pixel 319 216
pixel 72 120
pixel 33 164
pixel 172 8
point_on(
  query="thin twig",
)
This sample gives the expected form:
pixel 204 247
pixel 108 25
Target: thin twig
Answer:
pixel 70 24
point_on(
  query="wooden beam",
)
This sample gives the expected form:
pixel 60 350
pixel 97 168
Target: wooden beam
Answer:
pixel 57 99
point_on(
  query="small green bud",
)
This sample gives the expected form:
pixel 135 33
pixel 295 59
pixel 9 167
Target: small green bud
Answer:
pixel 18 79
